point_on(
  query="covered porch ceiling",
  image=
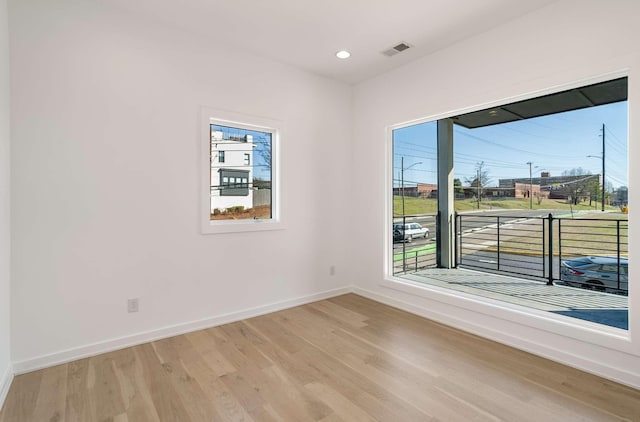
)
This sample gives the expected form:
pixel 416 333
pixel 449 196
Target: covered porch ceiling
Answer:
pixel 573 99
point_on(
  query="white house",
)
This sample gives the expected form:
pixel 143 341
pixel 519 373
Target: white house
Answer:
pixel 231 170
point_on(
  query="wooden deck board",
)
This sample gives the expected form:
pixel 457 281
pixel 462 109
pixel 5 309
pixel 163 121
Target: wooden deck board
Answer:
pixel 519 291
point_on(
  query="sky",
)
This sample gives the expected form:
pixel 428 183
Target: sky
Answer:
pixel 555 143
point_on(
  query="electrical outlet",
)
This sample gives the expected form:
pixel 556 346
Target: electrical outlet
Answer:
pixel 332 270
pixel 132 305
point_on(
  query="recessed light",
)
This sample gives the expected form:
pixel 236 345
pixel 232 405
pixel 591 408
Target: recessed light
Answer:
pixel 343 54
pixel 493 113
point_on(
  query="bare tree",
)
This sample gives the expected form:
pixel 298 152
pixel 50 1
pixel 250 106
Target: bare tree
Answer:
pixel 264 151
pixel 581 187
pixel 479 181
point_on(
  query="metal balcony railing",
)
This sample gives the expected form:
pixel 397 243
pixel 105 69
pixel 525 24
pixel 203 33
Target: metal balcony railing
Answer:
pixel 548 249
pixel 412 249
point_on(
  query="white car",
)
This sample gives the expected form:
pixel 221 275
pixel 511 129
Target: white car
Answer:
pixel 603 273
pixel 409 232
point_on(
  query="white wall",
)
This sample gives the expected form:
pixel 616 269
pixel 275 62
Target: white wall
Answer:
pixel 105 156
pixel 5 232
pixel 561 44
pixel 105 195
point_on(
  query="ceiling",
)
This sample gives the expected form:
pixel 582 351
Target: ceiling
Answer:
pixel 572 99
pixel 307 34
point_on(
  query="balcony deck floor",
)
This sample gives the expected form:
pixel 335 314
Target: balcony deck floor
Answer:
pixel 569 301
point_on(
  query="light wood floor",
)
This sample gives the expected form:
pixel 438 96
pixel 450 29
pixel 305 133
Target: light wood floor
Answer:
pixel 343 359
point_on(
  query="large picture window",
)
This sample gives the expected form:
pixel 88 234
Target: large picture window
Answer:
pixel 239 163
pixel 526 200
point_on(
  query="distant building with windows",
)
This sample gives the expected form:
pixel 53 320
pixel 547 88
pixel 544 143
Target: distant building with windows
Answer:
pixel 553 187
pixel 544 186
pixel 620 196
pixel 231 170
pixel 420 190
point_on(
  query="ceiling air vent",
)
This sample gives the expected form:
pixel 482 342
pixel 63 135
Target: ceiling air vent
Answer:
pixel 396 49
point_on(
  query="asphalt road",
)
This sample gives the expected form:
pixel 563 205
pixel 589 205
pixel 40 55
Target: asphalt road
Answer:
pixel 506 216
pixel 473 223
pixel 428 221
pixel 481 222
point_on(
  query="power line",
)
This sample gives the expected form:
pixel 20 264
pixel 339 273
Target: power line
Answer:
pixel 415 169
pixel 415 145
pixel 571 182
pixel 622 182
pixel 413 149
pixel 616 148
pixel 506 147
pixel 551 138
pixel 615 137
pixel 415 156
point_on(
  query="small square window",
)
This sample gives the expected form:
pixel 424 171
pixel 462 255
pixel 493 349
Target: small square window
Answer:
pixel 247 159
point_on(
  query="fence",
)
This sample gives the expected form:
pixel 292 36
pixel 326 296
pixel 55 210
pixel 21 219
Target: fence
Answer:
pixel 261 197
pixel 546 248
pixel 414 248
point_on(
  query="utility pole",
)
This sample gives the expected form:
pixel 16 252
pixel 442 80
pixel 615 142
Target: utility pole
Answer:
pixel 478 186
pixel 603 185
pixel 402 169
pixel 404 218
pixel 530 186
pixel 404 247
pixel 402 187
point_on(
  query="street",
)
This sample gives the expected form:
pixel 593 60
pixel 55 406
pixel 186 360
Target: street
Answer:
pixel 479 240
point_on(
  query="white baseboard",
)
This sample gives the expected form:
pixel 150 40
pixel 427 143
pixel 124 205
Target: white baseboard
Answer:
pixel 628 378
pixel 45 361
pixel 5 383
pixel 631 379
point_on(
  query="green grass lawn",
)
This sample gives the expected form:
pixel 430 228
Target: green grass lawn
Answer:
pixel 599 236
pixel 580 236
pixel 417 206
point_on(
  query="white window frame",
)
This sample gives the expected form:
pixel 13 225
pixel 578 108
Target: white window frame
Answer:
pixel 598 334
pixel 211 116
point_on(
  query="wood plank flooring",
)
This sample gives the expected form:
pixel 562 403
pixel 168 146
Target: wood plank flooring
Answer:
pixel 342 359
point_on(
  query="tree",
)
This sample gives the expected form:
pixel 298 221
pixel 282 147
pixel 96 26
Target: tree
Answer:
pixel 263 150
pixel 608 192
pixel 479 181
pixel 583 185
pixel 265 153
pixel 260 183
pixel 457 187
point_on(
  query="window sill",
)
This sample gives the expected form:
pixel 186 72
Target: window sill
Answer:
pixel 226 226
pixel 597 334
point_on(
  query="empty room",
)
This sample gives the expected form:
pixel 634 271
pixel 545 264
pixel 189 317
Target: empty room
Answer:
pixel 216 210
